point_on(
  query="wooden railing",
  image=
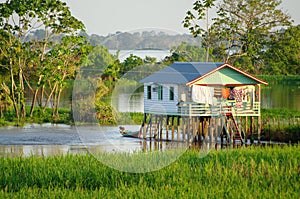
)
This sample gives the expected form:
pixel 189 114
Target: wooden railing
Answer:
pixel 195 109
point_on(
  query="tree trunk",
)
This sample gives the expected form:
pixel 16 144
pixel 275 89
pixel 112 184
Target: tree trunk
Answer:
pixel 57 102
pixel 33 102
pixel 49 97
pixel 12 91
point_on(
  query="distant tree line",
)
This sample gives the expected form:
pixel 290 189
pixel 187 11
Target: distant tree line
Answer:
pixel 129 41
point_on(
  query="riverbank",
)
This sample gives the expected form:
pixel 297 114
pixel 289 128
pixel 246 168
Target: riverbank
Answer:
pixel 270 172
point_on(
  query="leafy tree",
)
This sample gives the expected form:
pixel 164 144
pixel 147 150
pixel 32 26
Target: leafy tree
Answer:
pixel 241 29
pixel 17 19
pixel 193 19
pixel 283 56
pixel 186 53
pixel 131 62
pixel 99 59
pixel 64 60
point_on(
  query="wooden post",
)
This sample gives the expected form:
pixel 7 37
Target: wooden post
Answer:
pixel 200 129
pixel 219 127
pixel 183 128
pixel 157 127
pixel 144 126
pixel 211 130
pixel 251 129
pixel 259 119
pixel 189 129
pixel 167 128
pixel 246 126
pixel 160 127
pixel 173 128
pixel 178 128
pixel 150 129
pixel 258 128
pixel 205 129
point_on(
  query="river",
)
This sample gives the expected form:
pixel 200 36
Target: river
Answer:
pixel 58 139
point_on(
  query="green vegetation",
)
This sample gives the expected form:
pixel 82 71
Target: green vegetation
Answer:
pixel 39 116
pixel 254 35
pixel 271 172
pixel 40 67
pixel 280 125
pixel 279 113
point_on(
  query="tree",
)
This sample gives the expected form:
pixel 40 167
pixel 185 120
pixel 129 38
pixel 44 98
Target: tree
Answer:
pixel 64 59
pixel 242 28
pixel 17 20
pixel 193 19
pixel 283 56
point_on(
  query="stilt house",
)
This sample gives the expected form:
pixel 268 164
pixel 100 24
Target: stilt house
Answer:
pixel 199 91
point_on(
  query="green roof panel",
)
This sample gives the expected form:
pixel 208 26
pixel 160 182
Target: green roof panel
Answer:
pixel 226 76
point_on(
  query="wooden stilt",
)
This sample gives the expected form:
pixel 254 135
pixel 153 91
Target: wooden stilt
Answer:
pixel 258 128
pixel 183 128
pixel 150 130
pixel 252 129
pixel 167 127
pixel 199 130
pixel 160 127
pixel 197 122
pixel 173 128
pixel 144 126
pixel 205 129
pixel 189 129
pixel 178 128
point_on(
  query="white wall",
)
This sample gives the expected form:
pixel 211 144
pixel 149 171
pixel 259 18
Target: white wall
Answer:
pixel 164 105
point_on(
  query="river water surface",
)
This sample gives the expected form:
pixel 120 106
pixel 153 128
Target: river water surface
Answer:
pixel 49 139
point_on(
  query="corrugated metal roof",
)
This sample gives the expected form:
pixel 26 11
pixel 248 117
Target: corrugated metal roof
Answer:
pixel 181 72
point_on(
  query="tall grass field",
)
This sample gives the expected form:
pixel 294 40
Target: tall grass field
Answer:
pixel 254 172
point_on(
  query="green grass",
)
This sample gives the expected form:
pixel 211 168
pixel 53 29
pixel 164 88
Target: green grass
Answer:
pixel 239 173
pixel 281 125
pixel 279 113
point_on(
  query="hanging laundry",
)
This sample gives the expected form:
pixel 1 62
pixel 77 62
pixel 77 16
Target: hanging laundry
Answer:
pixel 225 93
pixel 202 94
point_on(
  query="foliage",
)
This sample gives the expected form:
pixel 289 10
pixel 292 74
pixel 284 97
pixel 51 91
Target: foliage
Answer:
pixel 39 116
pixel 238 173
pixel 192 21
pixel 280 125
pixel 130 118
pixel 241 30
pixel 282 56
pixel 279 112
pixel 186 53
pixel 40 63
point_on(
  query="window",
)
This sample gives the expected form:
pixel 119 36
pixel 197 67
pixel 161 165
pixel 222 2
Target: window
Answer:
pixel 160 92
pixel 171 94
pixel 148 92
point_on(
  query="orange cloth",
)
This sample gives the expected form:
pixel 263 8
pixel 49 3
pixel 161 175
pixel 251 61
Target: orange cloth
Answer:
pixel 225 93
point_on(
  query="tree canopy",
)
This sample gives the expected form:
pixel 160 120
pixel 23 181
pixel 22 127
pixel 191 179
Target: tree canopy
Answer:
pixel 241 31
pixel 38 65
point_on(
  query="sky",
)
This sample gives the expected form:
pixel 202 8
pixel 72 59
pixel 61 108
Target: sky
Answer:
pixel 103 17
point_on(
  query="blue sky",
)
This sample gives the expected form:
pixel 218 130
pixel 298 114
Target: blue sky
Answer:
pixel 109 16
